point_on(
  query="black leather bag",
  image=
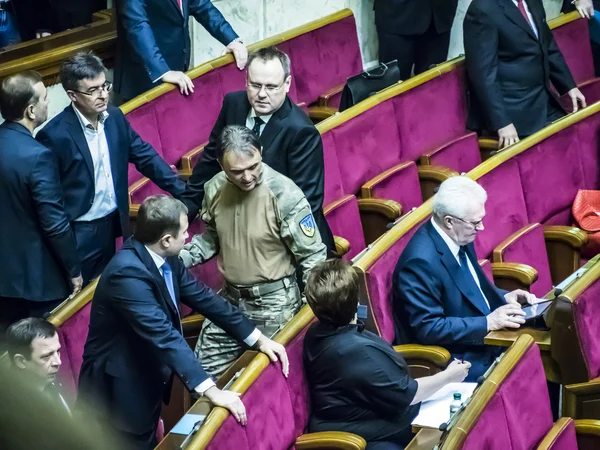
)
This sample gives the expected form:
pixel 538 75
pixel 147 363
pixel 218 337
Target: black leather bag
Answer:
pixel 367 83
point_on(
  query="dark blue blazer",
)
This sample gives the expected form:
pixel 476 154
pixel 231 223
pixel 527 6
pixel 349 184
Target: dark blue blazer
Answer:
pixel 153 38
pixel 432 306
pixel 135 345
pixel 64 136
pixel 41 254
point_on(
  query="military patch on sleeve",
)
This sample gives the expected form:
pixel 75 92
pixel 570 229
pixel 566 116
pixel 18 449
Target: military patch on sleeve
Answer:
pixel 308 226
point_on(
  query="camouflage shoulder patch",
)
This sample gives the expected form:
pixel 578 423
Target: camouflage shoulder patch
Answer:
pixel 308 226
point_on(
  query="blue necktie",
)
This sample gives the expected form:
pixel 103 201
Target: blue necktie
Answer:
pixel 468 277
pixel 168 277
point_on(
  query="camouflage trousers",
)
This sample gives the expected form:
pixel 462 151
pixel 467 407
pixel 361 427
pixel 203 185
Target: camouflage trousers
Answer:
pixel 269 312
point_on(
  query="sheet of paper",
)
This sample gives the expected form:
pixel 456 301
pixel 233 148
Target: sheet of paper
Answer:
pixel 186 424
pixel 571 278
pixel 436 409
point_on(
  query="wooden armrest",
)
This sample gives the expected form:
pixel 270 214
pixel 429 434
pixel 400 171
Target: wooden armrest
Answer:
pixel 319 113
pixel 324 99
pixel 135 207
pixel 431 177
pixel 507 275
pixel 192 324
pixel 334 440
pixel 342 246
pixel 588 427
pixel 575 237
pixel 488 147
pixel 377 216
pixel 431 353
pixel 580 400
pixel 186 160
pixel 390 209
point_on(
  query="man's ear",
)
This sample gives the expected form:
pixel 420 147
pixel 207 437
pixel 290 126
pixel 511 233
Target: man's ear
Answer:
pixel 72 96
pixel 20 361
pixel 164 241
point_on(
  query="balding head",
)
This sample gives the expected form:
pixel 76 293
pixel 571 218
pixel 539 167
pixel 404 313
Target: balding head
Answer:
pixel 23 98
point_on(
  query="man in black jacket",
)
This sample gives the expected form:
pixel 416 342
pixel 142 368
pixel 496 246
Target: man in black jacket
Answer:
pixel 291 143
pixel 39 267
pixel 415 32
pixel 511 59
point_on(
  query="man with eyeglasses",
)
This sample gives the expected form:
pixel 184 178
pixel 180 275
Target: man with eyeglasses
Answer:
pixel 93 144
pixel 441 294
pixel 290 142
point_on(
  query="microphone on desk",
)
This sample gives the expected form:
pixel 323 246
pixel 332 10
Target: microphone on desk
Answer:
pixel 557 292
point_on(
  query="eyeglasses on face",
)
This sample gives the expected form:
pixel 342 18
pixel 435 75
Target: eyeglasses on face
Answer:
pixel 468 222
pixel 269 88
pixel 95 91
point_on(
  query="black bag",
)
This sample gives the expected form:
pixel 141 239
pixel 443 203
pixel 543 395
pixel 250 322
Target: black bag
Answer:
pixel 367 83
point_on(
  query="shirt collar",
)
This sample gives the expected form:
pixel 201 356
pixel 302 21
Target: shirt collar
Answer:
pixel 264 118
pixel 158 260
pixel 86 124
pixel 453 246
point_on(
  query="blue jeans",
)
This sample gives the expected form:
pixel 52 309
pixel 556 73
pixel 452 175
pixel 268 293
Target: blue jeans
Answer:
pixel 9 33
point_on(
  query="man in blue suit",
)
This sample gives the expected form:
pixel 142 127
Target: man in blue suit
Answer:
pixel 39 266
pixel 153 42
pixel 93 144
pixel 441 294
pixel 135 346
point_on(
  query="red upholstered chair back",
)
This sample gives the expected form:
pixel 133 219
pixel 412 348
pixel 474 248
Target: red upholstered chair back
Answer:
pixel 400 183
pixel 324 58
pixel 562 436
pixel 343 218
pixel 518 415
pixel 573 40
pixel 334 189
pixel 432 114
pixel 378 280
pixel 487 269
pixel 505 207
pixel 586 315
pixel 530 248
pixel 461 154
pixel 277 409
pixel 73 334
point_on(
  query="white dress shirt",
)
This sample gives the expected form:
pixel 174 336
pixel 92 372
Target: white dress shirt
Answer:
pixel 105 200
pixel 250 120
pixel 455 248
pixel 531 21
pixel 250 340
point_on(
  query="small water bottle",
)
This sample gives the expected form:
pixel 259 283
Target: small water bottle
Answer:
pixel 456 403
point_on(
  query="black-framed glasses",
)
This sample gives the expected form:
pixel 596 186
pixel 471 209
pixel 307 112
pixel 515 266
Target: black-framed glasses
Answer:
pixel 94 92
pixel 269 88
pixel 473 224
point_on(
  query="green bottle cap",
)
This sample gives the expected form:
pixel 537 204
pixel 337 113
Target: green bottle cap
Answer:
pixel 457 396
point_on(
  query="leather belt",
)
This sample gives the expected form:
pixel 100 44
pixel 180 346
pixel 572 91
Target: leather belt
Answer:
pixel 258 290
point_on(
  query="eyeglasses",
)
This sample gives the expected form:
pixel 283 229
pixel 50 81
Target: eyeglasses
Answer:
pixel 95 92
pixel 269 88
pixel 473 224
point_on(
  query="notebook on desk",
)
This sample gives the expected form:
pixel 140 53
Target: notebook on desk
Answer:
pixel 436 409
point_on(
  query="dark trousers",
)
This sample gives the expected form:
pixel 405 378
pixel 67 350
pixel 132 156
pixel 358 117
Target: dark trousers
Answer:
pixel 421 51
pixel 96 243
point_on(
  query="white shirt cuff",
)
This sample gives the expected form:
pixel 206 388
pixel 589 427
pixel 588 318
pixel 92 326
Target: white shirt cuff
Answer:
pixel 254 336
pixel 160 78
pixel 204 386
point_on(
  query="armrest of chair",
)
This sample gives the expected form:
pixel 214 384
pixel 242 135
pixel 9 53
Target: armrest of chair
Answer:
pixel 319 113
pixel 192 324
pixel 376 214
pixel 330 440
pixel 431 177
pixel 588 434
pixel 423 360
pixel 582 400
pixel 324 99
pixel 187 165
pixel 511 276
pixel 488 147
pixel 135 207
pixel 563 245
pixel 342 246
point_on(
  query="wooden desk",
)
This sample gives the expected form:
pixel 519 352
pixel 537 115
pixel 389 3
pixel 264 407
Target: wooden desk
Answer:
pixel 426 439
pixel 505 338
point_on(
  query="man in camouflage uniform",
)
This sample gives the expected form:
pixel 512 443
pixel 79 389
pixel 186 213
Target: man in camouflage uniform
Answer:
pixel 261 226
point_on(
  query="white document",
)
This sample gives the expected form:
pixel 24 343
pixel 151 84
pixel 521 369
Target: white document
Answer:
pixel 571 278
pixel 187 422
pixel 436 409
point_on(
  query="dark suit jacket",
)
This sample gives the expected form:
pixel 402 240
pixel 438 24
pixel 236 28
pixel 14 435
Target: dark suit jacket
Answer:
pixel 432 306
pixel 509 69
pixel 40 254
pixel 358 384
pixel 64 136
pixel 154 37
pixel 413 17
pixel 135 345
pixel 291 145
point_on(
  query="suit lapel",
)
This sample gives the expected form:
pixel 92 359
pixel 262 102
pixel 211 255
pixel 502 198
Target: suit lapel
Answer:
pixel 453 268
pixel 77 134
pixel 180 11
pixel 113 148
pixel 514 15
pixel 273 127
